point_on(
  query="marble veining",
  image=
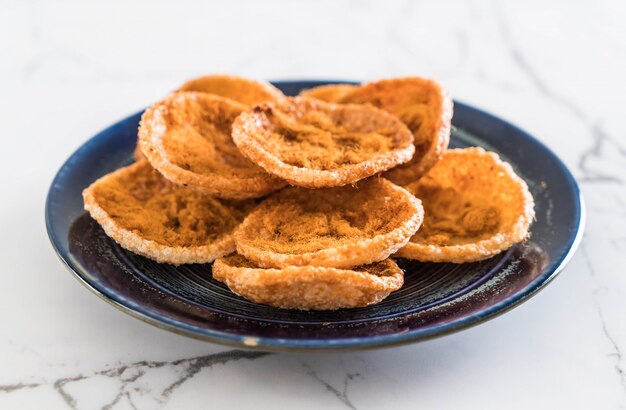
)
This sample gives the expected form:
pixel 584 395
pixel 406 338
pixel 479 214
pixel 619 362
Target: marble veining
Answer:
pixel 341 395
pixel 616 353
pixel 129 377
pixel 598 135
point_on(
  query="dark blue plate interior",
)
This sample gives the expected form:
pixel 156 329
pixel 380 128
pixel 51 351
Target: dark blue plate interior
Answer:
pixel 436 298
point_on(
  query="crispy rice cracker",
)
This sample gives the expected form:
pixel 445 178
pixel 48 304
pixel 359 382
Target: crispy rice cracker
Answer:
pixel 309 287
pixel 243 90
pixel 187 137
pixel 334 227
pixel 315 144
pixel 330 92
pixel 424 106
pixel 475 207
pixel 149 215
pixel 137 154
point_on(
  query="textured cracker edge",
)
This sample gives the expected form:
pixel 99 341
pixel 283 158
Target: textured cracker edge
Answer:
pixel 312 178
pixel 375 287
pixel 151 249
pixel 344 256
pixel 150 136
pixel 485 248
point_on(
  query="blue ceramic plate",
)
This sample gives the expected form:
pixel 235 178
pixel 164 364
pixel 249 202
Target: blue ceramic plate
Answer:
pixel 436 299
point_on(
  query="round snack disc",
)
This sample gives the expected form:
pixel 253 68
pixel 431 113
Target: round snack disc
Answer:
pixel 240 89
pixel 475 207
pixel 424 106
pixel 315 144
pixel 150 216
pixel 334 227
pixel 187 137
pixel 309 287
pixel 330 93
pixel 138 154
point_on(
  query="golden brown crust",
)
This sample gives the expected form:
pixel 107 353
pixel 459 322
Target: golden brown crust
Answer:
pixel 137 154
pixel 243 90
pixel 475 207
pixel 334 227
pixel 148 215
pixel 187 138
pixel 330 92
pixel 315 144
pixel 309 287
pixel 424 106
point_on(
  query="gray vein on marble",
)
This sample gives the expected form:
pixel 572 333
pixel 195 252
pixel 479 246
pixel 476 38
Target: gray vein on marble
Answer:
pixel 342 394
pixel 59 385
pixel 127 374
pixel 599 137
pixel 600 140
pixel 8 388
pixel 617 352
pixel 520 60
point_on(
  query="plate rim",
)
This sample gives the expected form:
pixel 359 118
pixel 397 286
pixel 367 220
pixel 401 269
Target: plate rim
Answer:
pixel 338 344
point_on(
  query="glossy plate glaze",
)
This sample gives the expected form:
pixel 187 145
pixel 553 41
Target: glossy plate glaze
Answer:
pixel 436 299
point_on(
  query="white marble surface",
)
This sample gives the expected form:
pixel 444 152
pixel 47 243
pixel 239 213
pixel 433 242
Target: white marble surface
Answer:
pixel 69 68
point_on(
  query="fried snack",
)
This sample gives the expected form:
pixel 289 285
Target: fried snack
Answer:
pixel 424 106
pixel 137 154
pixel 309 287
pixel 148 215
pixel 335 227
pixel 475 207
pixel 243 90
pixel 187 138
pixel 315 144
pixel 330 92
